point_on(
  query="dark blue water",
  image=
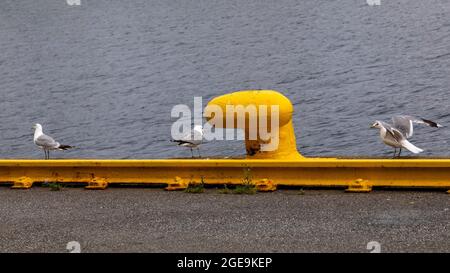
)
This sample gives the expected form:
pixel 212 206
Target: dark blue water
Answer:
pixel 105 75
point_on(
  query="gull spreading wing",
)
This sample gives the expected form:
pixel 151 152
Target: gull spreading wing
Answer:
pixel 404 124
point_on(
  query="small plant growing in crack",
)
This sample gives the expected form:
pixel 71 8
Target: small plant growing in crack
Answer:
pixel 54 186
pixel 247 186
pixel 194 187
pixel 225 190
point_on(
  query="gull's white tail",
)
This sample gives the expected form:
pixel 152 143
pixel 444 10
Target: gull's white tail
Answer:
pixel 408 145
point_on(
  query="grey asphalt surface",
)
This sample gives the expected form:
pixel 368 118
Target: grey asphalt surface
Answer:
pixel 153 220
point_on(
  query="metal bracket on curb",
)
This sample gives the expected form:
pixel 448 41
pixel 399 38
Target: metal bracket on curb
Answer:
pixel 24 182
pixel 177 184
pixel 97 184
pixel 266 185
pixel 359 185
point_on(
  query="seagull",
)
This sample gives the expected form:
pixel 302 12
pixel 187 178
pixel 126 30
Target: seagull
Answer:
pixel 397 134
pixel 192 140
pixel 47 143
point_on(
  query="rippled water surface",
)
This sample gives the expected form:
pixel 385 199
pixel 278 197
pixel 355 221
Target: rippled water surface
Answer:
pixel 105 75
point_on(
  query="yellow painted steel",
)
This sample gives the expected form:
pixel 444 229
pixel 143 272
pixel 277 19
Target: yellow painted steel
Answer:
pixel 287 147
pixel 430 173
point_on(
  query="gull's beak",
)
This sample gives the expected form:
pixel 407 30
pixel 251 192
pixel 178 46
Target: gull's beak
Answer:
pixel 371 126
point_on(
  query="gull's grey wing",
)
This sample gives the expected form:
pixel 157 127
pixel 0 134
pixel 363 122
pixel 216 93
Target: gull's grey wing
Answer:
pixel 405 124
pixel 394 132
pixel 397 135
pixel 46 142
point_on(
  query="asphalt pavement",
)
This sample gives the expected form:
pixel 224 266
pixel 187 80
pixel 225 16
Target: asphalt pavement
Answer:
pixel 154 220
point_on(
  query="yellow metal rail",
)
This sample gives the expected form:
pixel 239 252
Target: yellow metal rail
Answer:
pixel 356 174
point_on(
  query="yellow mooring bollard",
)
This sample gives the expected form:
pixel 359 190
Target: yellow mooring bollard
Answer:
pixel 257 101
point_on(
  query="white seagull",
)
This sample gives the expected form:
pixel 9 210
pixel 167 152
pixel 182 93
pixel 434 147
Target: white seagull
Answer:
pixel 47 143
pixel 192 140
pixel 397 134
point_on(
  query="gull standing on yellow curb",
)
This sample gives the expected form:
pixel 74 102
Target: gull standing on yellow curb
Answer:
pixel 47 143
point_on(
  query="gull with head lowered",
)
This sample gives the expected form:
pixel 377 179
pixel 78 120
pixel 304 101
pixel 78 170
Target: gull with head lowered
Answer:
pixel 397 134
pixel 192 140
